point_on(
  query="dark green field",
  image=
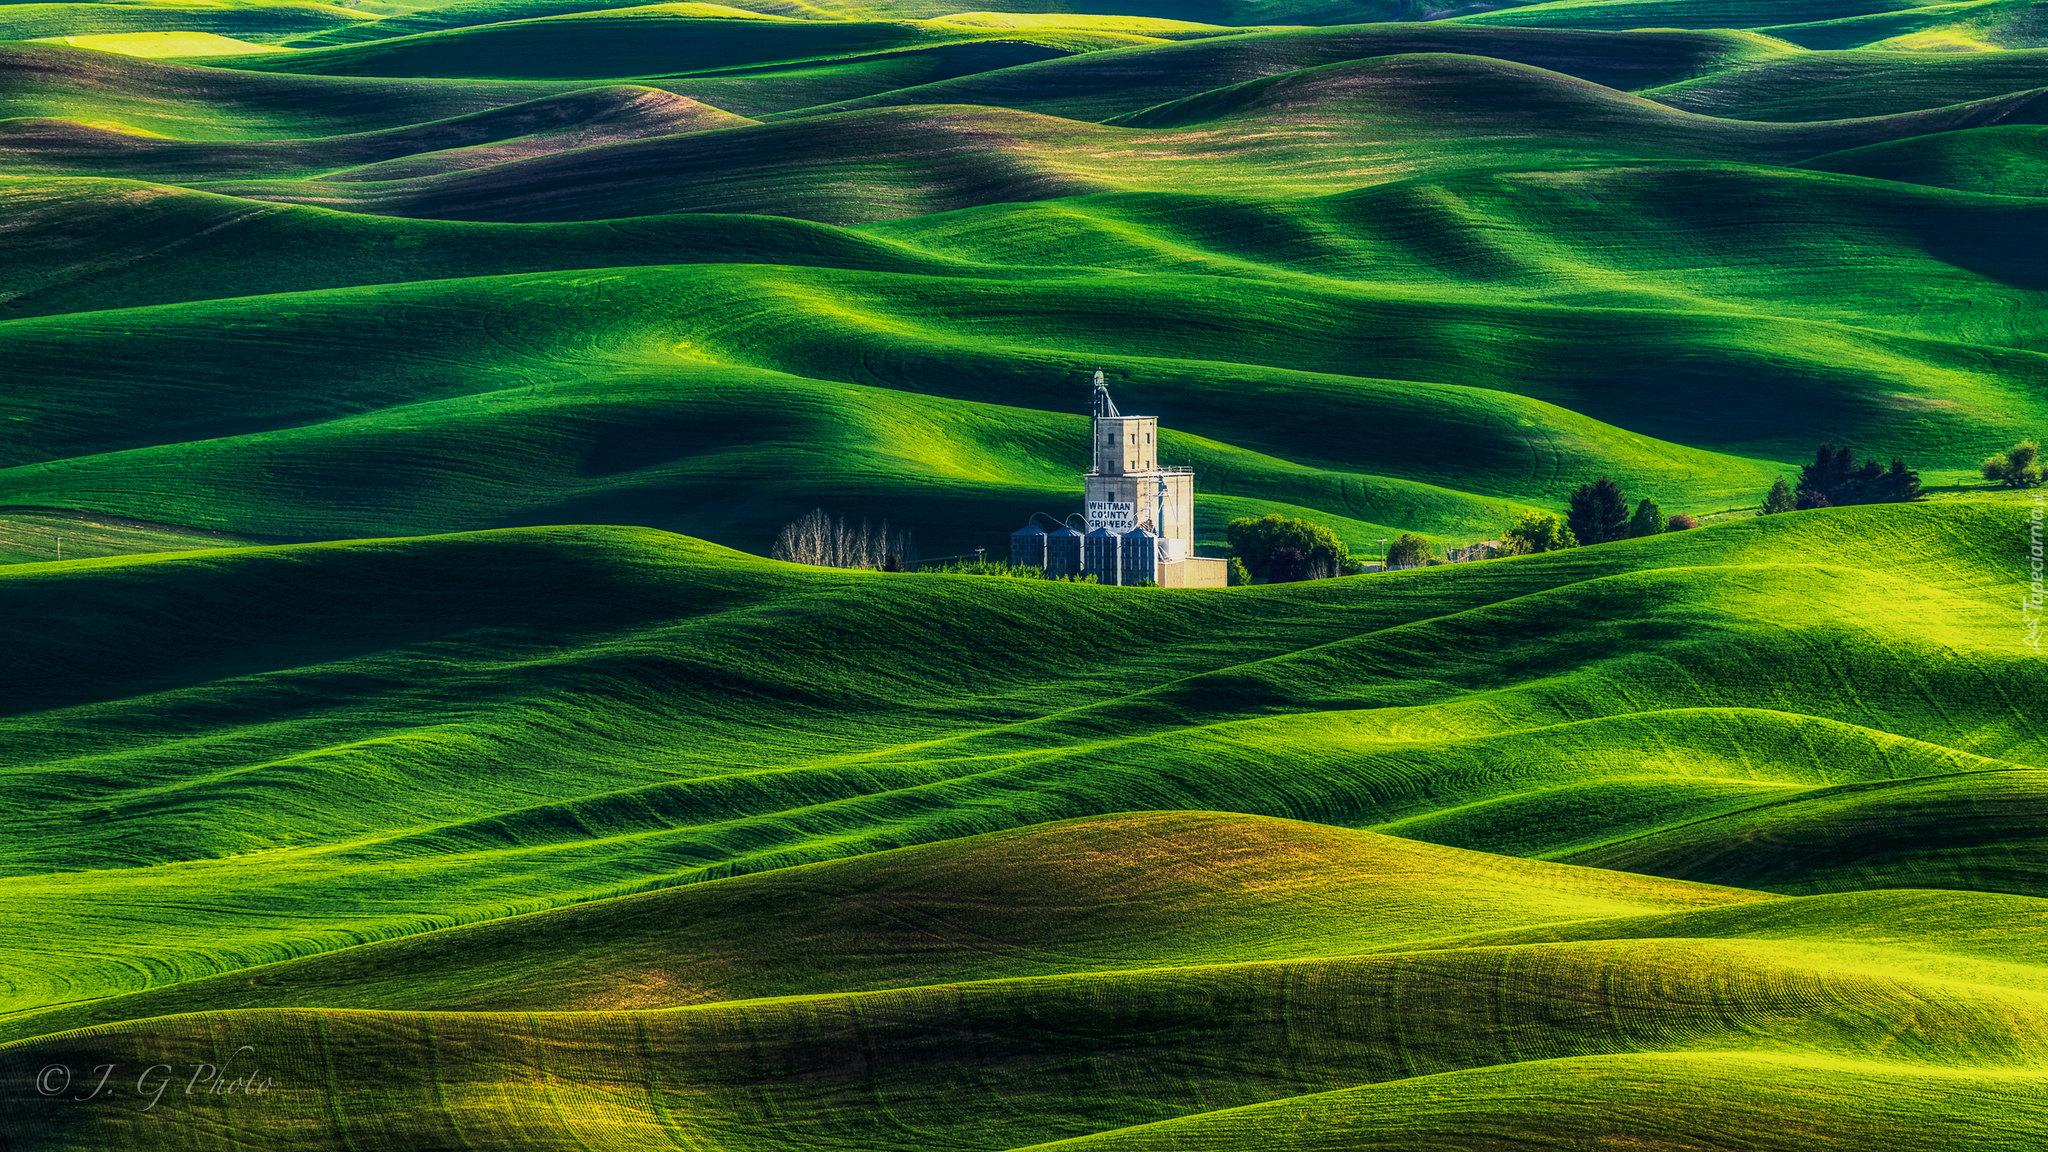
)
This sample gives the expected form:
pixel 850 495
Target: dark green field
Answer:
pixel 398 401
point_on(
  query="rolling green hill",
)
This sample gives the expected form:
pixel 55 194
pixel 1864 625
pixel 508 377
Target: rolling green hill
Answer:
pixel 1159 930
pixel 2009 160
pixel 398 401
pixel 1844 85
pixel 1967 26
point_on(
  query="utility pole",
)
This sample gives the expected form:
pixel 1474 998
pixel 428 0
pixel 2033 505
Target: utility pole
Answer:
pixel 1383 554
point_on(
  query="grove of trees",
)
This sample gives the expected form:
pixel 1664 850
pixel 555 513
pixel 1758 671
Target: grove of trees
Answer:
pixel 2017 467
pixel 1599 513
pixel 1536 532
pixel 1835 479
pixel 816 538
pixel 1276 549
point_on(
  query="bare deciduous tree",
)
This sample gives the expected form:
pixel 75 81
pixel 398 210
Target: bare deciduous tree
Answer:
pixel 819 539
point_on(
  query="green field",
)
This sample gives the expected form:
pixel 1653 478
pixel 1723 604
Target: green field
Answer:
pixel 398 401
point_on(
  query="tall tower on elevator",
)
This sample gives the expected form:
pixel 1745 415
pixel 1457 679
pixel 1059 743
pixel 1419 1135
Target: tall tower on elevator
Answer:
pixel 1127 488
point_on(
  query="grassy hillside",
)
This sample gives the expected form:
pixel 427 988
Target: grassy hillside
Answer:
pixel 398 400
pixel 1102 85
pixel 2004 161
pixel 782 741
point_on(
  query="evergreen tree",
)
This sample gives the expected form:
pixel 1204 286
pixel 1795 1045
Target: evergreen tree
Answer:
pixel 1599 512
pixel 1778 499
pixel 1826 476
pixel 1648 520
pixel 1900 484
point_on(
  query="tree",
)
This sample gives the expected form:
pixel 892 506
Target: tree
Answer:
pixel 1835 479
pixel 1536 532
pixel 2017 467
pixel 1648 520
pixel 1239 574
pixel 1410 551
pixel 1256 541
pixel 1778 499
pixel 1679 522
pixel 1599 512
pixel 1900 483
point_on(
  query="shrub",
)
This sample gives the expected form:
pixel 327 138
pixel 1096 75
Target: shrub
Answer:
pixel 2016 467
pixel 988 568
pixel 1239 574
pixel 1679 522
pixel 1410 551
pixel 1258 542
pixel 1778 499
pixel 1599 512
pixel 1648 520
pixel 1536 532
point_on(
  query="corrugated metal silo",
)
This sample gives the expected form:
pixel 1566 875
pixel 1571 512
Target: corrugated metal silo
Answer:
pixel 1102 556
pixel 1140 555
pixel 1027 546
pixel 1063 552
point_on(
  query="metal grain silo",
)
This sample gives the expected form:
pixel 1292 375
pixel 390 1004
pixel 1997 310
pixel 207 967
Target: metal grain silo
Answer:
pixel 1140 555
pixel 1063 552
pixel 1102 556
pixel 1027 546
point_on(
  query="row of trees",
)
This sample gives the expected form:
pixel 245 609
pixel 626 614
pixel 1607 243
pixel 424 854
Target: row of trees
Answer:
pixel 1835 479
pixel 829 542
pixel 1599 513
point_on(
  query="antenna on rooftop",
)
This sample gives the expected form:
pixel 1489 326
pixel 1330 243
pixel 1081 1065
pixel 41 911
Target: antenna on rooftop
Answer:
pixel 1103 405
